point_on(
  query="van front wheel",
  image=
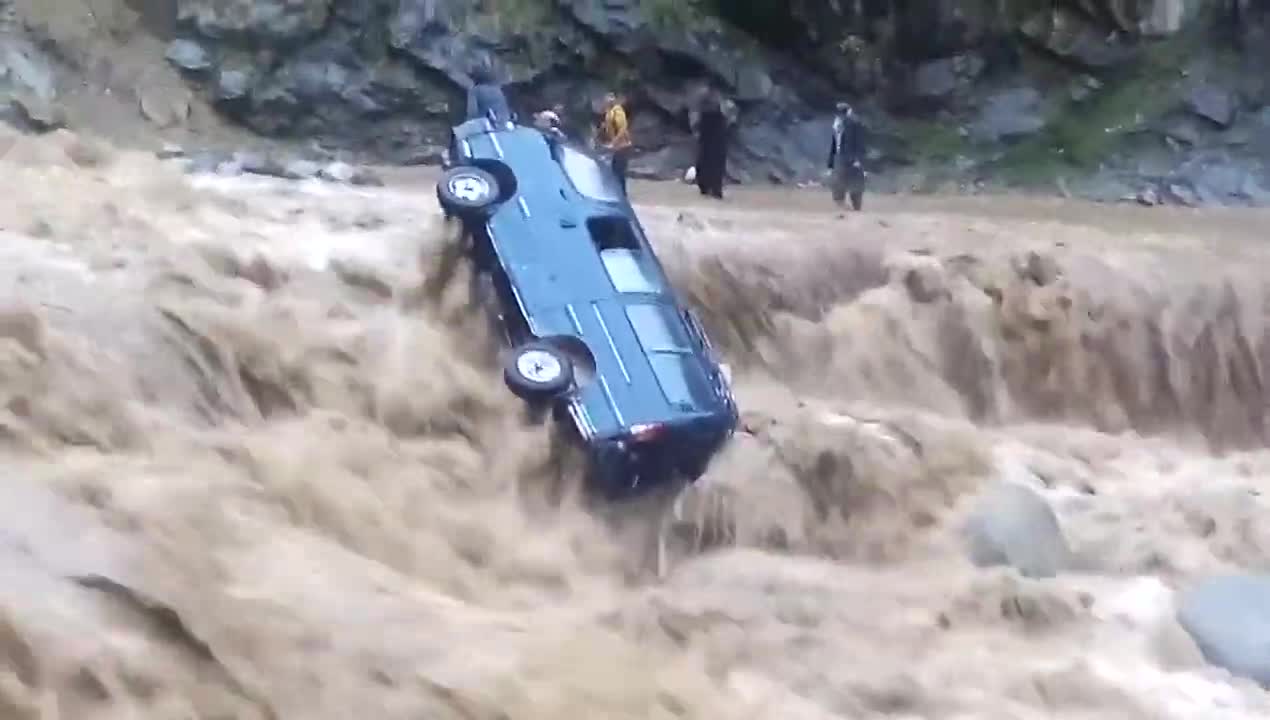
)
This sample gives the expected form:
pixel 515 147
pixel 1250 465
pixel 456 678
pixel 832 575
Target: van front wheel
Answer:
pixel 467 191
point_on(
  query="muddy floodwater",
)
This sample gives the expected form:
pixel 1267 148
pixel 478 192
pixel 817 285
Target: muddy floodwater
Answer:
pixel 251 469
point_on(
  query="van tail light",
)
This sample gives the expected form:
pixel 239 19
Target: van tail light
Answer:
pixel 646 432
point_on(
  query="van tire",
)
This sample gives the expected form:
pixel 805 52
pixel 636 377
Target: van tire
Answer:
pixel 537 371
pixel 467 191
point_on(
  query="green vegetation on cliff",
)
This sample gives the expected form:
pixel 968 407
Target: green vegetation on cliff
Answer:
pixel 1082 133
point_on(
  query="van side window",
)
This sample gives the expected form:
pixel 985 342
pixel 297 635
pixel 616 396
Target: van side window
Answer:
pixel 610 232
pixel 656 329
pixel 623 258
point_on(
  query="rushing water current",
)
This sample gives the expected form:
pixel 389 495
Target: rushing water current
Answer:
pixel 252 469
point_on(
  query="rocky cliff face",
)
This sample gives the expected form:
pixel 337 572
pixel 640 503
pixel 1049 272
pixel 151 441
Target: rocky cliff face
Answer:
pixel 959 90
pixel 387 76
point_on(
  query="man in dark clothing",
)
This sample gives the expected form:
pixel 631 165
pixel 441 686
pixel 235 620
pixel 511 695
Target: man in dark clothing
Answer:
pixel 485 98
pixel 846 157
pixel 711 125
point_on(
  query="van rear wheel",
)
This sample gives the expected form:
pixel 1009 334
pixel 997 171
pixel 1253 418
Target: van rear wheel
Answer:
pixel 538 371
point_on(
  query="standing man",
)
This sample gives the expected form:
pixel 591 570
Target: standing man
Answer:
pixel 711 123
pixel 846 157
pixel 615 135
pixel 485 98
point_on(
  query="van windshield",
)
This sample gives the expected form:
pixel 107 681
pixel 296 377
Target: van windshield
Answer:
pixel 588 176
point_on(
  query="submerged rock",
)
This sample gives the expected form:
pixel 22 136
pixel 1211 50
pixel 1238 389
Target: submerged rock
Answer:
pixel 1229 619
pixel 1014 525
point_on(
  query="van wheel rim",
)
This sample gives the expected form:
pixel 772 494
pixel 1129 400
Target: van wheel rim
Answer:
pixel 470 188
pixel 539 366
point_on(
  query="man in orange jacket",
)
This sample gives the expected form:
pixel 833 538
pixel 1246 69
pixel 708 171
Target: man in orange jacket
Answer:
pixel 615 135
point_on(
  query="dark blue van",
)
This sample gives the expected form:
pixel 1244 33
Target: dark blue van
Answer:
pixel 593 327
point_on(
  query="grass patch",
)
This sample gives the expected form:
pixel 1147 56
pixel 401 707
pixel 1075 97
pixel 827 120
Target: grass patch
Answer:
pixel 1079 135
pixel 671 14
pixel 518 16
pixel 931 141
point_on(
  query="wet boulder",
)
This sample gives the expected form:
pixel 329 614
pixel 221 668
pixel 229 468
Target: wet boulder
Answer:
pixel 1229 619
pixel 188 55
pixel 1013 525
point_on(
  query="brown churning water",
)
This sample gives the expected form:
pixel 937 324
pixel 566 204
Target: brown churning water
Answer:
pixel 253 470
